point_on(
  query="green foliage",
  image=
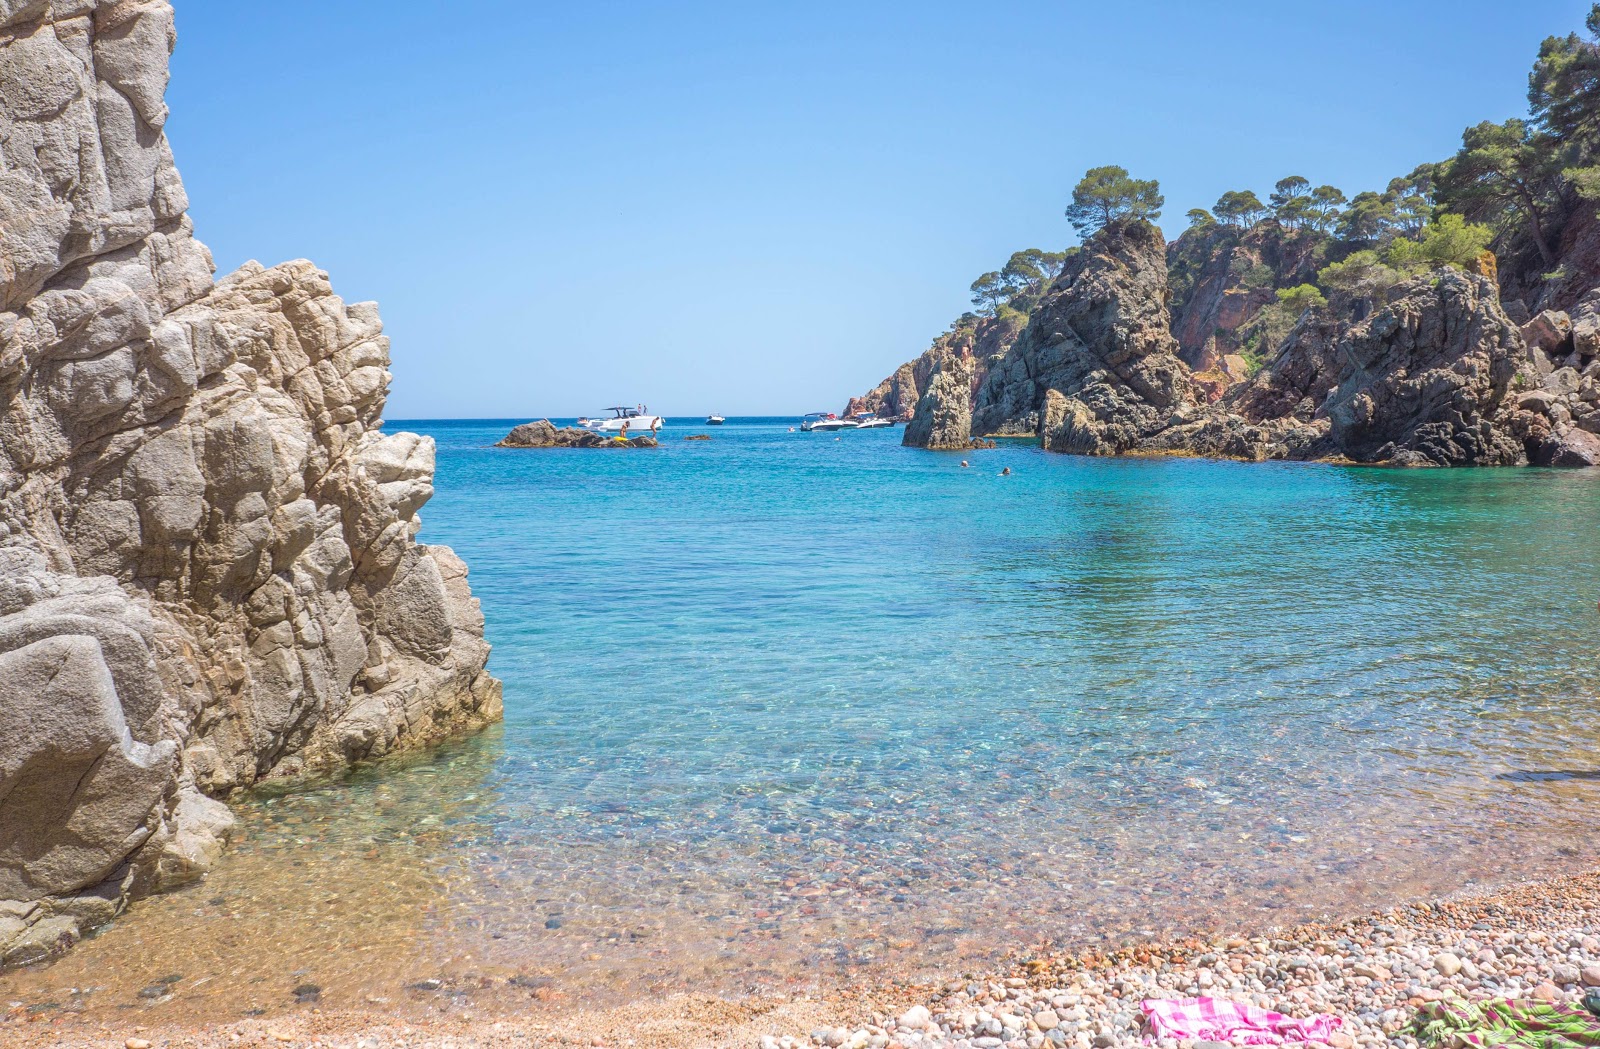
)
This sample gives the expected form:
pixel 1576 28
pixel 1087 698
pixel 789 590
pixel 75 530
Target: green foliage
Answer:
pixel 1505 175
pixel 1239 207
pixel 1032 268
pixel 1300 298
pixel 1564 89
pixel 1290 189
pixel 1412 198
pixel 1258 276
pixel 1200 218
pixel 1363 275
pixel 1585 181
pixel 988 292
pixel 1108 194
pixel 1325 202
pixel 1451 241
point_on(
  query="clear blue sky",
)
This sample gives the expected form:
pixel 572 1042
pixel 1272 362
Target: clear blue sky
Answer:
pixel 763 208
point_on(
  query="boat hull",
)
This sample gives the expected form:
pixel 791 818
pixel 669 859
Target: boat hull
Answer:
pixel 637 425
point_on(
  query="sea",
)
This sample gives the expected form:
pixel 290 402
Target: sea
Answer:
pixel 787 711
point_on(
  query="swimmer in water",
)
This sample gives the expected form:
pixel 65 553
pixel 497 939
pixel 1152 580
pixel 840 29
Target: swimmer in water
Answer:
pixel 964 463
pixel 1006 472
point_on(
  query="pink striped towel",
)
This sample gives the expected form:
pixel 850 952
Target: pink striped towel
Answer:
pixel 1219 1020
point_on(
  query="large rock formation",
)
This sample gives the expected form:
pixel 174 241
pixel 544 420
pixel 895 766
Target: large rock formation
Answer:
pixel 1095 370
pixel 1425 380
pixel 208 567
pixel 943 418
pixel 1438 376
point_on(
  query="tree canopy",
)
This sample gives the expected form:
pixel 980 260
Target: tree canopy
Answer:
pixel 1564 89
pixel 1109 194
pixel 1239 207
pixel 1505 174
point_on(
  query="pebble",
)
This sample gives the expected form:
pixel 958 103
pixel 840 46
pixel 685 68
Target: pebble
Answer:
pixel 1372 973
pixel 136 1043
pixel 916 1018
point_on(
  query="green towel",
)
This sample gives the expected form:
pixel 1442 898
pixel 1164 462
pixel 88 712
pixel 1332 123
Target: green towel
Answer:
pixel 1523 1024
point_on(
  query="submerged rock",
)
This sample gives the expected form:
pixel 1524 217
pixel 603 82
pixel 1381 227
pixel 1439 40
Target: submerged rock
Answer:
pixel 208 567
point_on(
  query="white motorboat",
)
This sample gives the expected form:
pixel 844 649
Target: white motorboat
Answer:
pixel 637 419
pixel 825 422
pixel 715 420
pixel 871 421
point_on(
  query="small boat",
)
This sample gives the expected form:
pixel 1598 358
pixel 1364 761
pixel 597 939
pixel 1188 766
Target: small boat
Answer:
pixel 825 422
pixel 871 421
pixel 637 419
pixel 715 420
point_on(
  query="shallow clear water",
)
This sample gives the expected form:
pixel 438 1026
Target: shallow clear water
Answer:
pixel 782 708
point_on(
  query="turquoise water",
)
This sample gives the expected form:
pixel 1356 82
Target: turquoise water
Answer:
pixel 782 707
pixel 772 650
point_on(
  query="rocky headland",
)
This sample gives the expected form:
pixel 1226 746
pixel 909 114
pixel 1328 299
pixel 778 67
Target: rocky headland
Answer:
pixel 209 573
pixel 1452 319
pixel 544 434
pixel 1439 375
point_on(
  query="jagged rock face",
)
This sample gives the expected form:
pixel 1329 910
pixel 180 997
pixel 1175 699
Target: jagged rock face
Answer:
pixel 1439 377
pixel 896 396
pixel 1425 379
pixel 208 566
pixel 943 419
pixel 1298 380
pixel 1219 290
pixel 1101 342
pixel 983 342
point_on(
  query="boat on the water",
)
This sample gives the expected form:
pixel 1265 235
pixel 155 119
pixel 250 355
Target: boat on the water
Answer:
pixel 825 422
pixel 715 420
pixel 637 419
pixel 871 421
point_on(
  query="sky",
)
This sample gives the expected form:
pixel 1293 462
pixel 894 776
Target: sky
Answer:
pixel 764 208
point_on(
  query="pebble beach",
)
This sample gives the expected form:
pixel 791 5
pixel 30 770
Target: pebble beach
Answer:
pixel 1539 940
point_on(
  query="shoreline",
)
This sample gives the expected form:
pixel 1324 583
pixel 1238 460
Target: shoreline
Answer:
pixel 1536 938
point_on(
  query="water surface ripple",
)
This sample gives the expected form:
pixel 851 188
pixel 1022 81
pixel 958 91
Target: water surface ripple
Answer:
pixel 781 708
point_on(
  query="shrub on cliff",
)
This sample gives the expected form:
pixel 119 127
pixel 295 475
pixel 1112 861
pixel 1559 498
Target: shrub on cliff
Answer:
pixel 1450 241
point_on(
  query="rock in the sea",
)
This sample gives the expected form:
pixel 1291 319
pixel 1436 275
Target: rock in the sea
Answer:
pixel 544 434
pixel 943 418
pixel 1101 342
pixel 209 573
